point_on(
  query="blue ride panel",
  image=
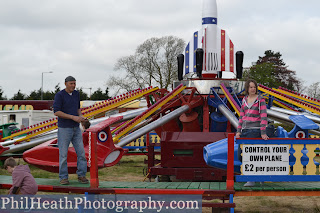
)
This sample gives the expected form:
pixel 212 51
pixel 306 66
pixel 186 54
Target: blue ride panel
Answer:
pixel 218 122
pixel 216 155
pixel 303 122
pixel 281 132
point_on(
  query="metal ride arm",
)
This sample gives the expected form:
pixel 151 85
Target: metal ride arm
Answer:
pixel 119 101
pixel 271 113
pixel 125 129
pixel 188 97
pixel 188 103
pixel 218 103
pixel 289 99
pixel 22 146
pixel 229 115
pixel 87 112
pixel 120 126
pixel 304 98
pixel 282 104
pixel 290 112
pixel 161 121
pixel 125 116
pixel 281 117
pixel 8 147
pixel 231 100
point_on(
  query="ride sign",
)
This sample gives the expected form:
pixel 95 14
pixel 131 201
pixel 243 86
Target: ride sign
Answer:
pixel 265 159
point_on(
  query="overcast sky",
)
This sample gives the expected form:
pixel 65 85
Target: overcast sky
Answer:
pixel 85 38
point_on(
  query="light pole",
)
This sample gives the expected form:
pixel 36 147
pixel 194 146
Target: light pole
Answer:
pixel 42 83
pixel 90 91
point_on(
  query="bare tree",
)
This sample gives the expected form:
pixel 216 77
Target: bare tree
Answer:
pixel 153 64
pixel 313 90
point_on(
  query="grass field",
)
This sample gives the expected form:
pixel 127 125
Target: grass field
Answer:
pixel 132 168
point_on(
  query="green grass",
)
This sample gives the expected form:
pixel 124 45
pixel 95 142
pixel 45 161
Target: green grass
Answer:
pixel 130 168
pixel 277 204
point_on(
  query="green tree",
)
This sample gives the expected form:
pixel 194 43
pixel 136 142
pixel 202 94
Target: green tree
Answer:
pixel 57 88
pixel 153 64
pixel 263 74
pixel 270 70
pixel 35 95
pixel 107 93
pixel 83 95
pixel 19 96
pixel 48 95
pixel 1 95
pixel 99 95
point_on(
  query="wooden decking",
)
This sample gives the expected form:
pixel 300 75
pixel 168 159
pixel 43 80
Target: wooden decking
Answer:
pixel 208 190
pixel 194 187
pixel 268 186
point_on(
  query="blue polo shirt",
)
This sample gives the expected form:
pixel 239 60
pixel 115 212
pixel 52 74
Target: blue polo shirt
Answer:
pixel 68 104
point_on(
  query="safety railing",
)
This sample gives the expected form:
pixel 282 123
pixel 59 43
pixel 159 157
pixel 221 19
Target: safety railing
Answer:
pixel 276 159
pixel 142 142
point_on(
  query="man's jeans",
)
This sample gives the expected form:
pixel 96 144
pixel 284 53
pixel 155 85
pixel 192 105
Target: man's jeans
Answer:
pixel 65 136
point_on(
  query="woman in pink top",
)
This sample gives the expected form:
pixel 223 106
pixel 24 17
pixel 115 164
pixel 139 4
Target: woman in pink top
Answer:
pixel 253 115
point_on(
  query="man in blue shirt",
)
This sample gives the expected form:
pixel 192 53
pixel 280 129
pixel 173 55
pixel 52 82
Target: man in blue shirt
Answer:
pixel 67 107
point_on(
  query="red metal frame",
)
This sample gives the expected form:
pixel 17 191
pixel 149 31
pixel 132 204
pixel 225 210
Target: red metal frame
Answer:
pixel 230 165
pixel 187 167
pixel 104 127
pixel 94 178
pixel 206 119
pixel 190 125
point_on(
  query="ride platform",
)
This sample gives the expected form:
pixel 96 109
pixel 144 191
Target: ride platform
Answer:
pixel 204 188
pixel 208 190
pixel 120 187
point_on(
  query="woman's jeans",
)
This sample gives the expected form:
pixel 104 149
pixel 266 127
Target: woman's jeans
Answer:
pixel 256 133
pixel 65 136
pixel 250 133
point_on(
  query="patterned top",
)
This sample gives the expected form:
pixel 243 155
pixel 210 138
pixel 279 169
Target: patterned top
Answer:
pixel 254 116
